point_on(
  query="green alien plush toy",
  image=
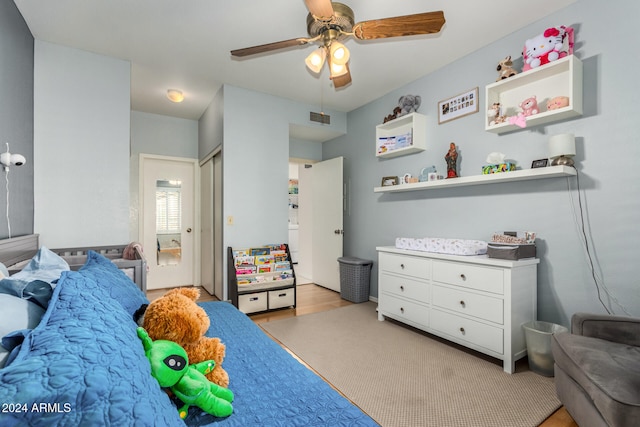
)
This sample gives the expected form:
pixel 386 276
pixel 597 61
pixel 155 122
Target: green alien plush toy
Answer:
pixel 170 366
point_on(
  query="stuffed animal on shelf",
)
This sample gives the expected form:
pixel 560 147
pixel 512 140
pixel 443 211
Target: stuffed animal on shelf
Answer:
pixel 390 117
pixel 529 106
pixel 408 104
pixel 494 113
pixel 554 43
pixel 170 366
pixel 558 102
pixel 505 69
pixel 176 317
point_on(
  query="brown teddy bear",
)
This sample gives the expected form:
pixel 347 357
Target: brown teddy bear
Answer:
pixel 176 317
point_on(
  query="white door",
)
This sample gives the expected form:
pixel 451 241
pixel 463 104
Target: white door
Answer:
pixel 218 251
pixel 211 229
pixel 327 232
pixel 206 233
pixel 168 204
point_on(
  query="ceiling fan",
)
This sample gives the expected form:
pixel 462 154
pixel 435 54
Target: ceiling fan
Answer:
pixel 329 22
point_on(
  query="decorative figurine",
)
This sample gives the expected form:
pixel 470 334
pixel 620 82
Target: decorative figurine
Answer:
pixel 425 172
pixel 452 161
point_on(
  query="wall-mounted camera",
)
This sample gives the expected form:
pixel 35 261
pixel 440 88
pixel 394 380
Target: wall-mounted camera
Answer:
pixel 7 159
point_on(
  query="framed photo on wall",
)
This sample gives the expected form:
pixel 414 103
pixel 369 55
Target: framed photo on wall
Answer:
pixel 458 106
pixel 390 180
pixel 541 163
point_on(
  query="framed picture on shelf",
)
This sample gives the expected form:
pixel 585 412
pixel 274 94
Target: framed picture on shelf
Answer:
pixel 458 106
pixel 389 180
pixel 541 163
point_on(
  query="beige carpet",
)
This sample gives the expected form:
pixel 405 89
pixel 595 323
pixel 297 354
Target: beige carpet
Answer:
pixel 403 377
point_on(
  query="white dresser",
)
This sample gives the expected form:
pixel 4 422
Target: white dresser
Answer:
pixel 475 301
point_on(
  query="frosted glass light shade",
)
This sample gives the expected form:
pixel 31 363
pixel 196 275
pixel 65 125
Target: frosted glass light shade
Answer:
pixel 337 70
pixel 315 61
pixel 563 144
pixel 339 53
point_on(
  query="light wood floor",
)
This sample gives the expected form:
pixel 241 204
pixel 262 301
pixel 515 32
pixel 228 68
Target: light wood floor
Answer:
pixel 312 299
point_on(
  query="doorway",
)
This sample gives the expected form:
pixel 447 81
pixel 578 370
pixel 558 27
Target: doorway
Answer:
pixel 320 215
pixel 168 186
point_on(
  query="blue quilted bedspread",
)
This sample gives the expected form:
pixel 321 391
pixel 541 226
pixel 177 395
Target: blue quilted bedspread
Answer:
pixel 271 387
pixel 84 365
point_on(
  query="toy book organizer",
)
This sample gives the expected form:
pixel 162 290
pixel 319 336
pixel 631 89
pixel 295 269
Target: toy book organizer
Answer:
pixel 254 273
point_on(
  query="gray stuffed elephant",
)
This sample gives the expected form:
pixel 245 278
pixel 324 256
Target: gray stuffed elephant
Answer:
pixel 408 104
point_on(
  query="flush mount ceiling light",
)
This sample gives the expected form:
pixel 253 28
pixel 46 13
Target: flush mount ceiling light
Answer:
pixel 175 95
pixel 328 22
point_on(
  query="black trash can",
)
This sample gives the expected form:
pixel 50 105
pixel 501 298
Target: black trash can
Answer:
pixel 355 274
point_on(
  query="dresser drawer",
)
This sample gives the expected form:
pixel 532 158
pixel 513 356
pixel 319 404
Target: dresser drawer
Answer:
pixel 487 279
pixel 481 306
pixel 404 287
pixel 402 309
pixel 479 334
pixel 403 264
pixel 281 298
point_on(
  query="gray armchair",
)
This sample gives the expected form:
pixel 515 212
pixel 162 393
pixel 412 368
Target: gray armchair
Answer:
pixel 597 370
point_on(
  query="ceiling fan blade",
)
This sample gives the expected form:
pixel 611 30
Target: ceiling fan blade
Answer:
pixel 409 25
pixel 320 8
pixel 269 47
pixel 342 80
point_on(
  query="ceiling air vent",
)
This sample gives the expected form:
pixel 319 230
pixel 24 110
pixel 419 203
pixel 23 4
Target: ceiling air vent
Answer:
pixel 323 118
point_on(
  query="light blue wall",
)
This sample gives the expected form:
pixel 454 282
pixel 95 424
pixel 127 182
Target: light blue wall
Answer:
pixel 608 151
pixel 81 125
pixel 308 150
pixel 163 135
pixel 255 156
pixel 210 126
pixel 16 118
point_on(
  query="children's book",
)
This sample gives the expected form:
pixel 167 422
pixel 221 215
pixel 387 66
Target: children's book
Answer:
pixel 259 251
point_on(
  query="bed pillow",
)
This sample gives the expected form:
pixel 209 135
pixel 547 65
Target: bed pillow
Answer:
pixel 35 282
pixel 84 360
pixel 118 285
pixel 17 314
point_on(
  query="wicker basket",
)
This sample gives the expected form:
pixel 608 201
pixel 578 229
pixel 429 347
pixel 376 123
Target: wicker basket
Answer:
pixel 355 274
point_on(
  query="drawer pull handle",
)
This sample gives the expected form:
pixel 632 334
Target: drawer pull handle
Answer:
pixel 402 266
pixel 462 330
pixel 253 299
pixel 401 309
pixel 402 288
pixel 463 277
pixel 462 303
pixel 282 295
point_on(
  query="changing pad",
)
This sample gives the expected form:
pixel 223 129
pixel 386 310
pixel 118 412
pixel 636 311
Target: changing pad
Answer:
pixel 443 246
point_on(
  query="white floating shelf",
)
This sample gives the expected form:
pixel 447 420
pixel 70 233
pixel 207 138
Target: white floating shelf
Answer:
pixel 495 178
pixel 558 78
pixel 413 124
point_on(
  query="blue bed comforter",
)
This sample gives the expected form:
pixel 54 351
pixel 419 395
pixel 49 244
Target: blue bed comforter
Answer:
pixel 83 365
pixel 271 388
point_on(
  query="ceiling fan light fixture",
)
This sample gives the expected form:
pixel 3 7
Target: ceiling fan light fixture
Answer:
pixel 339 53
pixel 337 70
pixel 175 95
pixel 316 59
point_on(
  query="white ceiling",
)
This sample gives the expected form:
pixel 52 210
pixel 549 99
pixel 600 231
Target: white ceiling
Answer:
pixel 185 44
